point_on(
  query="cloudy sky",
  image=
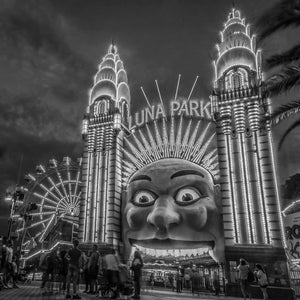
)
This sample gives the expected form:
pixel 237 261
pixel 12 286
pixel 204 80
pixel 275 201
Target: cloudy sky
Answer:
pixel 50 51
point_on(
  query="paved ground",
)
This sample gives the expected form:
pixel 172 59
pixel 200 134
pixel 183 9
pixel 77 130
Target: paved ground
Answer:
pixel 33 292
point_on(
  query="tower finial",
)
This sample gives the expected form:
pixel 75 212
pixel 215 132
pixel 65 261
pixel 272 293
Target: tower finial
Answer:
pixel 113 48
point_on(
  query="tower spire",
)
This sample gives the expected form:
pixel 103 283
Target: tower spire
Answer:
pixel 113 47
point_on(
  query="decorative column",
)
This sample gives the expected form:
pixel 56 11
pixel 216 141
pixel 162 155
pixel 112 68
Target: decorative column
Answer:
pixel 250 200
pixel 103 132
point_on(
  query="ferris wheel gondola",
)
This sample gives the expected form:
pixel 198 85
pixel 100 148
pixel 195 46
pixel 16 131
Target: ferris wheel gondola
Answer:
pixel 52 193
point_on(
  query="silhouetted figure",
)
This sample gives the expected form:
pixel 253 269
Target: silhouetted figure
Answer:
pixel 136 267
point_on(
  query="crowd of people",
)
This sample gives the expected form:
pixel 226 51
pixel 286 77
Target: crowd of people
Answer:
pixel 8 265
pixel 67 267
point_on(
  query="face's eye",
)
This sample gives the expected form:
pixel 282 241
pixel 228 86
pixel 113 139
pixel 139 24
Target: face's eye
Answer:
pixel 144 198
pixel 187 196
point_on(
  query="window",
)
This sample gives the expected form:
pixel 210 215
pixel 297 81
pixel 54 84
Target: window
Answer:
pixel 236 79
pixel 101 107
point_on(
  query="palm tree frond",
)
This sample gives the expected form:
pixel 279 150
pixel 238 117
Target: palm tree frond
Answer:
pixel 283 14
pixel 287 57
pixel 285 111
pixel 283 81
pixel 286 133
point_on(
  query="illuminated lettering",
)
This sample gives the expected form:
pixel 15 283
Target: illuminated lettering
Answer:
pixel 184 108
pixel 204 109
pixel 149 114
pixel 142 120
pixel 292 232
pixel 174 107
pixel 159 112
pixel 194 106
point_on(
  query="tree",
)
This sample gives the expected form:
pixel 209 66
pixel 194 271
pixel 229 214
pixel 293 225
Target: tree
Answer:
pixel 283 14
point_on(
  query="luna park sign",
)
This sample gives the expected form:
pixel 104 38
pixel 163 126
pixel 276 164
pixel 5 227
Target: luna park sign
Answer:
pixel 189 108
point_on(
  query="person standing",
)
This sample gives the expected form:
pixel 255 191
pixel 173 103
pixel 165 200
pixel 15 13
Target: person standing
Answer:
pixel 8 261
pixel 63 270
pixel 75 263
pixel 3 262
pixel 85 259
pixel 243 269
pixel 93 269
pixel 136 267
pixel 152 280
pixel 14 272
pixel 216 283
pixel 178 281
pixel 111 264
pixel 195 278
pixel 262 280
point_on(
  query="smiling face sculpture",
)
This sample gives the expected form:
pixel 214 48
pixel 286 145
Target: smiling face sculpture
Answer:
pixel 172 204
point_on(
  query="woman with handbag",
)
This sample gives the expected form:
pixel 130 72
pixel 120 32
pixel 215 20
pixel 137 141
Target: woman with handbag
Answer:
pixel 244 269
pixel 262 280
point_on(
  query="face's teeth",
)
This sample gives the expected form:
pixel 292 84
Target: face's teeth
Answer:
pixel 171 252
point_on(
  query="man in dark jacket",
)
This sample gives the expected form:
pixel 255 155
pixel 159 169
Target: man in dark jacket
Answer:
pixel 136 267
pixel 75 264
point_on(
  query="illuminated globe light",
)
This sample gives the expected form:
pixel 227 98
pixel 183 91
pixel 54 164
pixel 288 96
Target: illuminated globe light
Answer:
pixel 253 113
pixel 239 117
pixel 225 114
pixel 53 192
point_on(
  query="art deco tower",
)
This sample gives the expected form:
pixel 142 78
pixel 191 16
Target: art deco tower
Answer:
pixel 250 200
pixel 107 113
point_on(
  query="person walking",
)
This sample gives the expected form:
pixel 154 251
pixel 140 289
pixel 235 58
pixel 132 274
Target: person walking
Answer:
pixel 136 267
pixel 93 269
pixel 244 269
pixel 75 263
pixel 262 280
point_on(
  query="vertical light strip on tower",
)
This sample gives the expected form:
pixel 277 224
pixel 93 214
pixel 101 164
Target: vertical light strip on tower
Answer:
pixel 249 193
pixel 282 230
pixel 234 202
pixel 261 188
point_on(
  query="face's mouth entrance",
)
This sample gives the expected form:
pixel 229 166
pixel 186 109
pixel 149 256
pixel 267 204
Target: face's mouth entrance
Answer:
pixel 167 247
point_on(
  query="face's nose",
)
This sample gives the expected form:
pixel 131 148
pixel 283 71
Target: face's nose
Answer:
pixel 163 214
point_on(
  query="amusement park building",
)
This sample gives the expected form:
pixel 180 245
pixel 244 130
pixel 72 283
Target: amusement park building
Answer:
pixel 240 109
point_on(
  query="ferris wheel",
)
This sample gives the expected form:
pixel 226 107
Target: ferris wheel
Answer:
pixel 53 192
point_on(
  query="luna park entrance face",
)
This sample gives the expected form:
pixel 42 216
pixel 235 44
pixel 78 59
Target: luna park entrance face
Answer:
pixel 171 205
